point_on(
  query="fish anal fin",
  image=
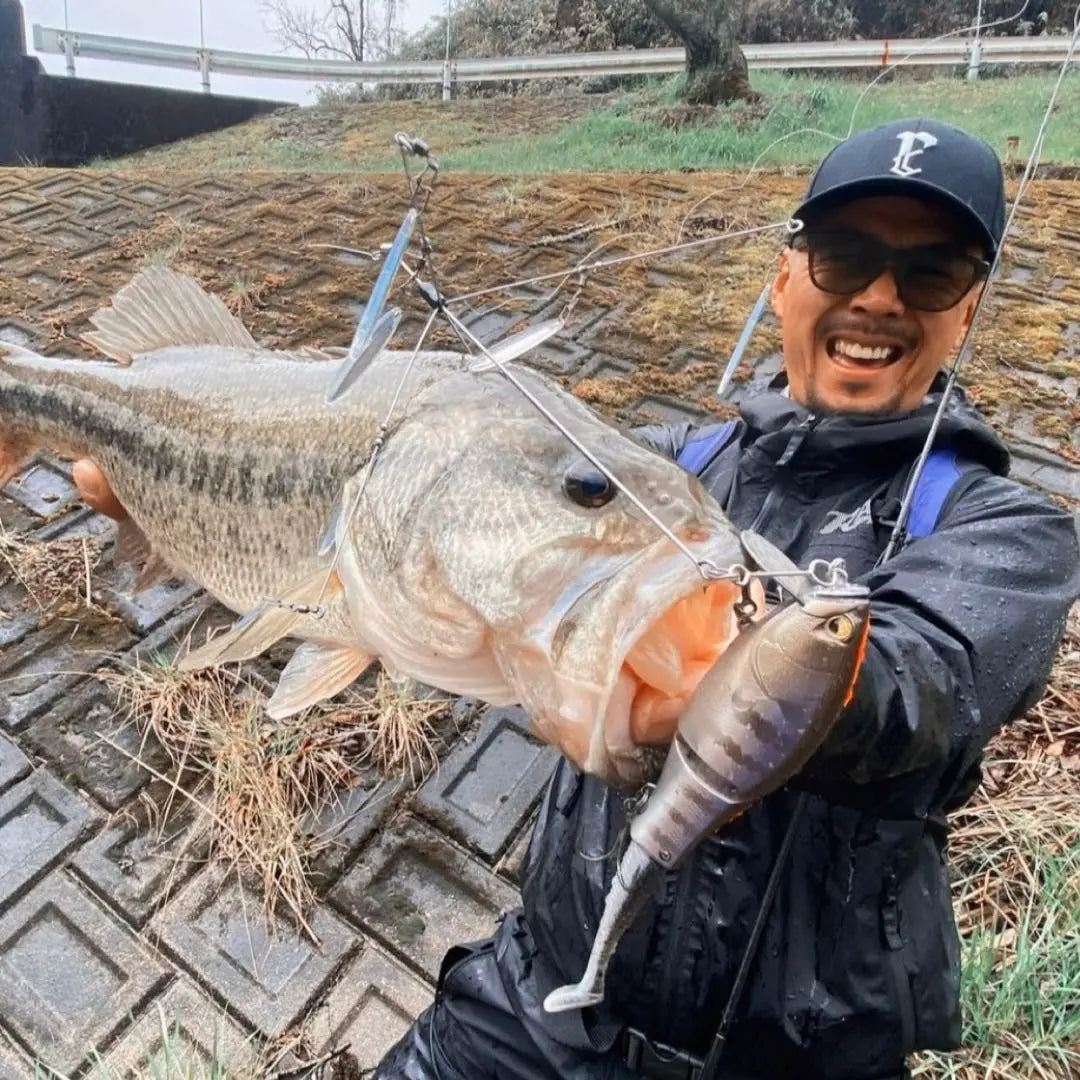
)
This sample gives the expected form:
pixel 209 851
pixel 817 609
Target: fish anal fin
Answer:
pixel 14 454
pixel 133 549
pixel 160 308
pixel 258 629
pixel 315 672
pixel 155 571
pixel 131 544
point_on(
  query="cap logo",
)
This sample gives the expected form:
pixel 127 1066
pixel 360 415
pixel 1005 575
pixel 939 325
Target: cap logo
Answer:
pixel 908 149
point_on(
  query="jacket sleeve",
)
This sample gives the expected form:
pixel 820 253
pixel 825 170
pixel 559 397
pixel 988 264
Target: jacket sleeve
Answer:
pixel 668 439
pixel 964 624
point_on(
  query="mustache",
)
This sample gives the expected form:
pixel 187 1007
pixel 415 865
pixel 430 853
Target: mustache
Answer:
pixel 837 325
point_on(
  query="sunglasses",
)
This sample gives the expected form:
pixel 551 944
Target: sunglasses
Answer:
pixel 933 277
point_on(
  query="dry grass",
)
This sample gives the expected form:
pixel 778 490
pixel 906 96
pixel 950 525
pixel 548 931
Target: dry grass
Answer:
pixel 263 785
pixel 58 575
pixel 1015 852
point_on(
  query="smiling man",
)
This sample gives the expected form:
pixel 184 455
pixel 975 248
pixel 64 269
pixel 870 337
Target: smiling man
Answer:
pixel 858 961
pixel 858 965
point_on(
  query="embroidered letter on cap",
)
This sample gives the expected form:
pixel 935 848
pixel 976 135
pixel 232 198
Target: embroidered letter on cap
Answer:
pixel 902 162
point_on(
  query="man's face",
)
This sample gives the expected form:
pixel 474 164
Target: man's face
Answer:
pixel 835 346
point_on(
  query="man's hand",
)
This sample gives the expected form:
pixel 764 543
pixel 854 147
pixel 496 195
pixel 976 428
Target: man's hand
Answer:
pixel 95 491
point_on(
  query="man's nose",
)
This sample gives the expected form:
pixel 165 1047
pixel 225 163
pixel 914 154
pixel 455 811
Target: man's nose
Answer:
pixel 880 297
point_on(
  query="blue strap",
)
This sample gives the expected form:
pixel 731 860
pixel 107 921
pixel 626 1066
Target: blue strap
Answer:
pixel 696 453
pixel 938 476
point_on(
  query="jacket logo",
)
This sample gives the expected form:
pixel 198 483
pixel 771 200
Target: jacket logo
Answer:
pixel 902 162
pixel 841 521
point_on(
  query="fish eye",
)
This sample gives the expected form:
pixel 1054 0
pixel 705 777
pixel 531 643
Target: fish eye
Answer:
pixel 588 486
pixel 841 627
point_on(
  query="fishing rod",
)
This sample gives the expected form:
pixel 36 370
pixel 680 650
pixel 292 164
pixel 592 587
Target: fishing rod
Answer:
pixel 980 304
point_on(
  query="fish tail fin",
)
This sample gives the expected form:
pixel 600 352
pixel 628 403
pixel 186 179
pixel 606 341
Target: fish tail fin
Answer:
pixel 159 308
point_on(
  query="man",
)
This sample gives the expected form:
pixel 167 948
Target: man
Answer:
pixel 858 960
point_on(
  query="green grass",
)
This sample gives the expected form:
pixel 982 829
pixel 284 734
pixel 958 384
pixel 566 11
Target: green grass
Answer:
pixel 798 119
pixel 1020 985
pixel 629 138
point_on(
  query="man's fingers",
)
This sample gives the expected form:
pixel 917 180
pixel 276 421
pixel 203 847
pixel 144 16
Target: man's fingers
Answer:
pixel 95 491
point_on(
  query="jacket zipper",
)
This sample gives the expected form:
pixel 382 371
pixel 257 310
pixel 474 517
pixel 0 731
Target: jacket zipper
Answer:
pixel 682 888
pixel 676 955
pixel 795 441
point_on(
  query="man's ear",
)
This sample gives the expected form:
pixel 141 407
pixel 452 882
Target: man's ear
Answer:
pixel 779 285
pixel 969 313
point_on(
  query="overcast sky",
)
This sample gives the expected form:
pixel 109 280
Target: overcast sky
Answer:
pixel 229 24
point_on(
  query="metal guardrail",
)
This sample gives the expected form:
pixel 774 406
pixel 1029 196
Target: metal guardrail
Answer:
pixel 813 54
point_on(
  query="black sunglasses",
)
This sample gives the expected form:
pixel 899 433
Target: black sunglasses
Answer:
pixel 933 277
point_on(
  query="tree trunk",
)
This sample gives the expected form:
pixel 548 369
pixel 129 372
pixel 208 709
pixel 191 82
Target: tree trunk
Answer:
pixel 715 65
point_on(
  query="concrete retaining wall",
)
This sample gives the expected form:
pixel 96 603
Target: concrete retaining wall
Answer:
pixel 62 121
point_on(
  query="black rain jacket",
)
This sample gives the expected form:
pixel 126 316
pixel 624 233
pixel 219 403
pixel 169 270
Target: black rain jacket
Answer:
pixel 859 963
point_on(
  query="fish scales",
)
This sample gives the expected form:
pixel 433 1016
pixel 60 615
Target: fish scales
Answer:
pixel 485 554
pixel 214 440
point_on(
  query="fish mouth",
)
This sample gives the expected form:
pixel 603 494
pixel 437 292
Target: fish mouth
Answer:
pixel 664 665
pixel 613 670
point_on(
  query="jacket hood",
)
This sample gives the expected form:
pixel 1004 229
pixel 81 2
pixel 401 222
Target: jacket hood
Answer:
pixel 772 416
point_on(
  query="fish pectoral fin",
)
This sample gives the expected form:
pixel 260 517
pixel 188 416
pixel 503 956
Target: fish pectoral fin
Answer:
pixel 315 672
pixel 258 629
pixel 158 308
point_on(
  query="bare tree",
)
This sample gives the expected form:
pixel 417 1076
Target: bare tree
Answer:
pixel 715 65
pixel 344 29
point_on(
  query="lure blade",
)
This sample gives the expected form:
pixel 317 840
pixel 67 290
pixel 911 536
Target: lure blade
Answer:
pixel 510 348
pixel 381 289
pixel 357 360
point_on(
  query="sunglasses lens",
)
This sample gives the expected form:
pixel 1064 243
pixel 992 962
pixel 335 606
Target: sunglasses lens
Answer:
pixel 931 278
pixel 935 279
pixel 843 263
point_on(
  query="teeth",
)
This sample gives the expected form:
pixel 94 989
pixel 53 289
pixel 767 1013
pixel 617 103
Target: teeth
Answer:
pixel 855 351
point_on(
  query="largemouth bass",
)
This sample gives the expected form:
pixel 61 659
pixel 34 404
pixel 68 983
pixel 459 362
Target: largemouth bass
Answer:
pixel 487 557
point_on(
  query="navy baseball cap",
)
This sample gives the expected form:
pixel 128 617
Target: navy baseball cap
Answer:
pixel 922 158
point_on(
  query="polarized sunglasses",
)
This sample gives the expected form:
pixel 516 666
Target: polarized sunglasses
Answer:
pixel 933 277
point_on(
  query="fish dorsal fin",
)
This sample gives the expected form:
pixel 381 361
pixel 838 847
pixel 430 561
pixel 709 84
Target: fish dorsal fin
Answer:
pixel 158 308
pixel 328 354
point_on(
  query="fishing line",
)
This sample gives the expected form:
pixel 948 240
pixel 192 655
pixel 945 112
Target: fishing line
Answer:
pixel 965 348
pixel 979 27
pixel 376 445
pixel 707 569
pixel 618 260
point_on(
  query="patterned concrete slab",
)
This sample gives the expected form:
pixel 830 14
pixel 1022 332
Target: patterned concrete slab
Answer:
pixel 369 1009
pixel 268 971
pixel 136 862
pixel 418 895
pixel 13 763
pixel 40 670
pixel 40 820
pixel 14 1065
pixel 201 1038
pixel 489 783
pixel 95 746
pixel 86 872
pixel 70 973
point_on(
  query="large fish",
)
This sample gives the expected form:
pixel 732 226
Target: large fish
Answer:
pixel 487 556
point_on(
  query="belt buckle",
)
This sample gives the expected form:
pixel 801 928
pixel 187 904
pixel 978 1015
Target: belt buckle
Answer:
pixel 655 1061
